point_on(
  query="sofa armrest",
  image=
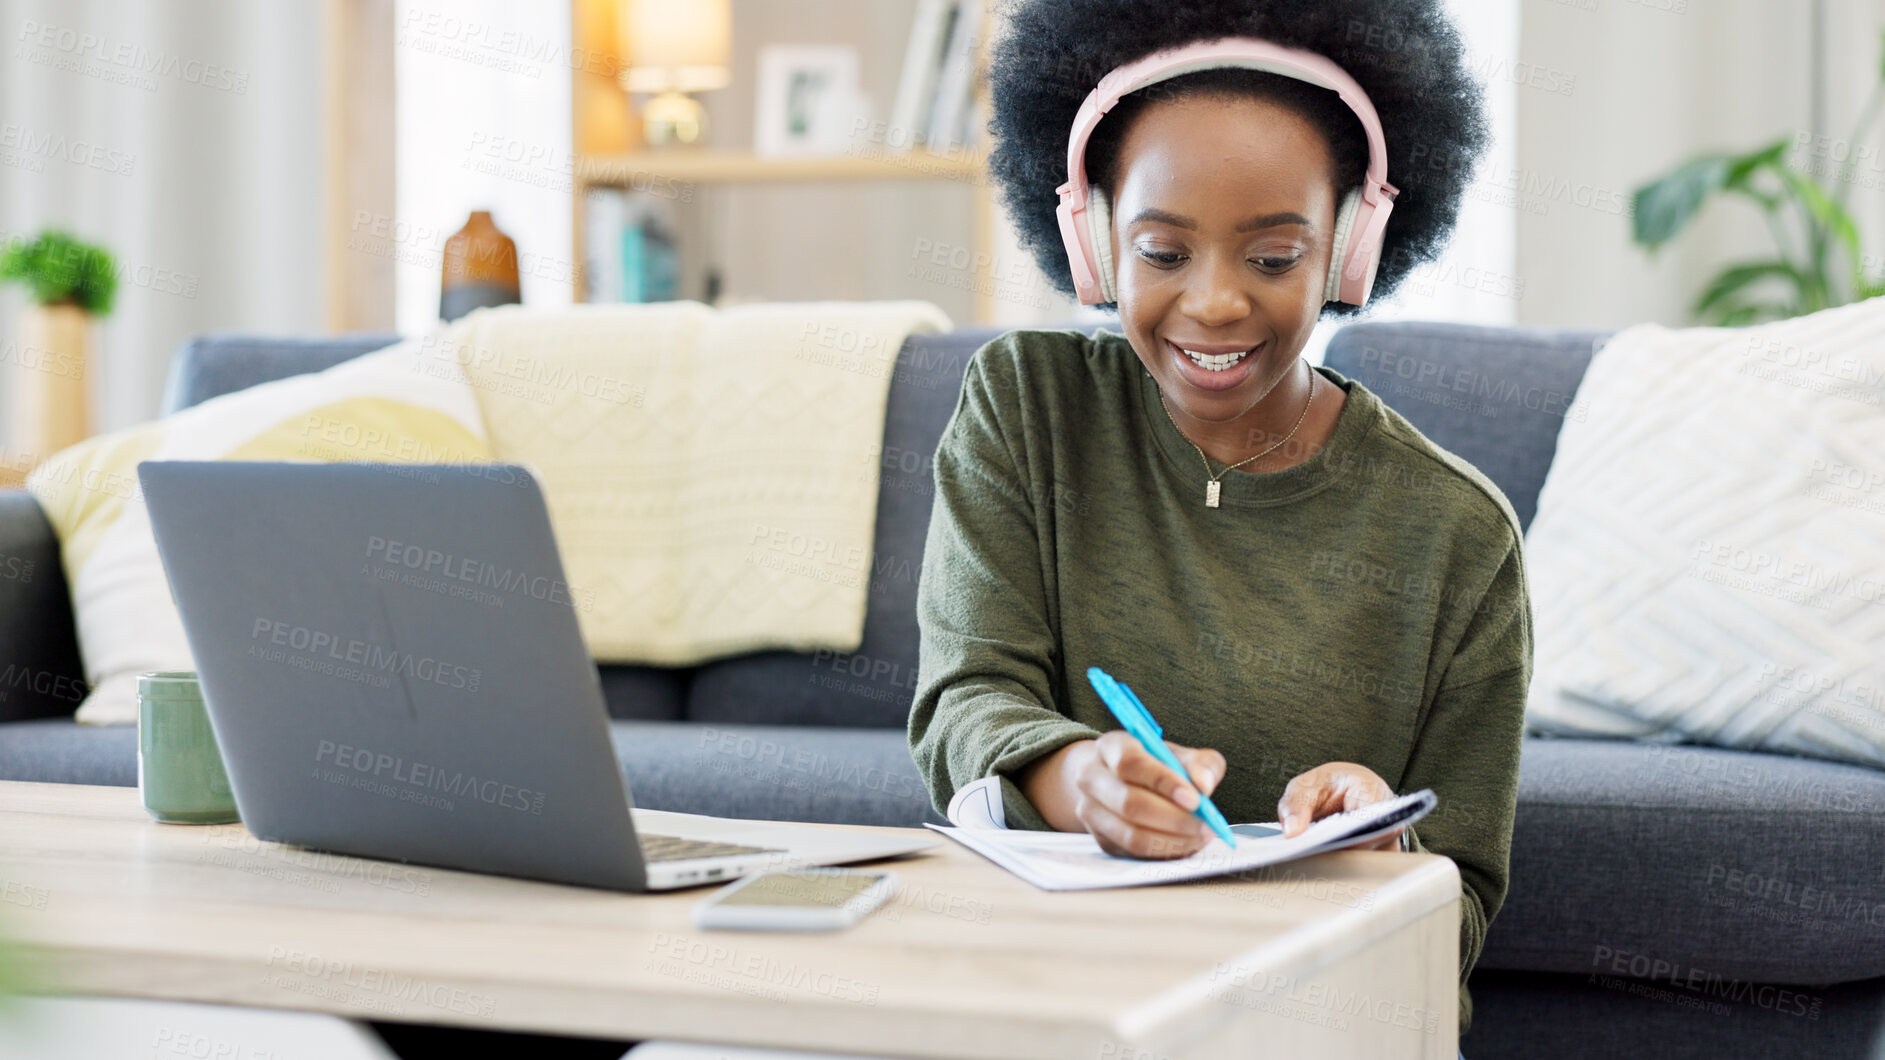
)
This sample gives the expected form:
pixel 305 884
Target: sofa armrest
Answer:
pixel 40 672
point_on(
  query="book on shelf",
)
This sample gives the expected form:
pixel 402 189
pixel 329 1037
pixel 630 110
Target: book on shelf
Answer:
pixel 955 83
pixel 935 94
pixel 929 39
pixel 629 252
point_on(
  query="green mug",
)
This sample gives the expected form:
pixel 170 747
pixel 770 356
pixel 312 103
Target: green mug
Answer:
pixel 179 770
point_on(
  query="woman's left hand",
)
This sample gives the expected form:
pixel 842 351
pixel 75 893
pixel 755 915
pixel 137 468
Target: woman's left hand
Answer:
pixel 1332 788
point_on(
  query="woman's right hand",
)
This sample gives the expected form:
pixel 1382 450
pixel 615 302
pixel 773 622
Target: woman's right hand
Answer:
pixel 1132 803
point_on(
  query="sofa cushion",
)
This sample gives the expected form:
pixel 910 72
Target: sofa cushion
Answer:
pixel 208 366
pixel 1630 859
pixel 774 773
pixel 873 685
pixel 64 752
pixel 1495 397
pixel 644 693
pixel 61 751
pixel 1536 1016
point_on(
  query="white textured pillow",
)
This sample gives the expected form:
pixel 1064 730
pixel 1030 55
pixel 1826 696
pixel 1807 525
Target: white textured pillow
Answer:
pixel 407 403
pixel 1708 559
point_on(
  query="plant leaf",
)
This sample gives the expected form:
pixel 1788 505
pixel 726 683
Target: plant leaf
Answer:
pixel 1727 286
pixel 1824 210
pixel 1747 313
pixel 1663 207
pixel 58 268
pixel 1743 168
pixel 1828 214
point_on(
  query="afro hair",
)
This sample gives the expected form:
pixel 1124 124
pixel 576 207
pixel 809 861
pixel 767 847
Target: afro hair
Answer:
pixel 1405 54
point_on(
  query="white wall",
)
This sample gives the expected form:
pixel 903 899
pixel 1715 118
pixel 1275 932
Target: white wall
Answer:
pixel 197 129
pixel 1658 82
pixel 1476 279
pixel 483 124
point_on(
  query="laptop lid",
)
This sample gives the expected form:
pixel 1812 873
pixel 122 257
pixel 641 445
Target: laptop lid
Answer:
pixel 392 665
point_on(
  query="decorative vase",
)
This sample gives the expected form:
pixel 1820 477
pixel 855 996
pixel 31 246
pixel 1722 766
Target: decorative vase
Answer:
pixel 480 268
pixel 47 365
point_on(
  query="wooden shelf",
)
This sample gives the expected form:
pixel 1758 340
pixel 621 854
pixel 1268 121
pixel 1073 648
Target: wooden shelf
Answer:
pixel 609 152
pixel 710 167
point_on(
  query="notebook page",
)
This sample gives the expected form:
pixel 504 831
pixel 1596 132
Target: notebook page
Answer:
pixel 1068 861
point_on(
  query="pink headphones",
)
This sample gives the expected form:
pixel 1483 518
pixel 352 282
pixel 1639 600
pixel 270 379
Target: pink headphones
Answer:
pixel 1086 225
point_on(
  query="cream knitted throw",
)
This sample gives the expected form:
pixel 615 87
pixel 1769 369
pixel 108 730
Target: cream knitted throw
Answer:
pixel 711 475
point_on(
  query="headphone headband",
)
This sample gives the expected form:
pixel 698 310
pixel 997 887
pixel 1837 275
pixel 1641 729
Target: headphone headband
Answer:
pixel 1358 242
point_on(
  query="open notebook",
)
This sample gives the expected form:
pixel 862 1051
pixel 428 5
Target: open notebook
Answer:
pixel 1065 861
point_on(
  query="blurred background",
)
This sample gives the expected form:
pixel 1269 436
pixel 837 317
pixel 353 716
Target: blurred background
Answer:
pixel 295 168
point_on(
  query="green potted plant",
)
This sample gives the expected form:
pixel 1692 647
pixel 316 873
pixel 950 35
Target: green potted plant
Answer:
pixel 70 283
pixel 1800 184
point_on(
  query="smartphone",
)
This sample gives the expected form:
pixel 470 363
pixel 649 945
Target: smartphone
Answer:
pixel 796 900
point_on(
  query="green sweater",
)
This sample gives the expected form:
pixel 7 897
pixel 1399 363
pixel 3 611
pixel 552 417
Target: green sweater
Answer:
pixel 1366 605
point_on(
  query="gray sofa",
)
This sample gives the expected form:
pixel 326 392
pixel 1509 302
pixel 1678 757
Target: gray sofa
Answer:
pixel 1669 902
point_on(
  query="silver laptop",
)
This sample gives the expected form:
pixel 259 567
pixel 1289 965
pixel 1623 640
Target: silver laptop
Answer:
pixel 392 666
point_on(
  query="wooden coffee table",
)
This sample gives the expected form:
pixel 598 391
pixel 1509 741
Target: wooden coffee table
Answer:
pixel 1345 955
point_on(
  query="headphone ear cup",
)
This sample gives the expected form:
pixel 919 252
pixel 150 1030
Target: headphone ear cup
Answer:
pixel 1100 228
pixel 1338 252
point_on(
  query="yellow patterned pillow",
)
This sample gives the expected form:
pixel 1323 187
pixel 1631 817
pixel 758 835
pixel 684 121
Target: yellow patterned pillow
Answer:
pixel 409 403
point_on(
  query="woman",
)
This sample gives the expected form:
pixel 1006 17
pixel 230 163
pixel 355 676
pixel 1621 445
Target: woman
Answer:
pixel 1321 606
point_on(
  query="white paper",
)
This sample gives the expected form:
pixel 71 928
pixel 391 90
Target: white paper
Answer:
pixel 1068 861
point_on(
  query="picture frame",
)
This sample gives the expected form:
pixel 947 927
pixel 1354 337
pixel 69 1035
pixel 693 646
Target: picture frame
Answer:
pixel 808 99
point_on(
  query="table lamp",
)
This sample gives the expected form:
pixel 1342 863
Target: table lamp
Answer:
pixel 671 48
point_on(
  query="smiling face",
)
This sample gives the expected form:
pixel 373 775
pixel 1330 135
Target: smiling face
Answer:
pixel 1223 213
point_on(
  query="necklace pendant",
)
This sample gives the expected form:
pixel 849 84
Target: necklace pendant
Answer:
pixel 1210 493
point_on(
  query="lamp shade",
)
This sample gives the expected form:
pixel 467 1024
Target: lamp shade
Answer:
pixel 676 45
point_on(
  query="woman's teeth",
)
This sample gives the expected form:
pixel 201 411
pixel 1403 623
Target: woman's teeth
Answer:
pixel 1215 362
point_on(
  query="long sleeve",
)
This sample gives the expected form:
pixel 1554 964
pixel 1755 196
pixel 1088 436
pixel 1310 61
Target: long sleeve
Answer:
pixel 984 702
pixel 1468 753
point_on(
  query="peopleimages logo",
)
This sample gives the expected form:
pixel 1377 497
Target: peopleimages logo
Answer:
pixel 430 777
pixel 365 655
pixel 318 975
pixel 31 143
pixel 470 571
pixel 133 58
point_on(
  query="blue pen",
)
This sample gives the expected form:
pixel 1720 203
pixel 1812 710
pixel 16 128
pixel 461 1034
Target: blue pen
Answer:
pixel 1140 723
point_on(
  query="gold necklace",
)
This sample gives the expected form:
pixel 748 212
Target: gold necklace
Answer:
pixel 1212 487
